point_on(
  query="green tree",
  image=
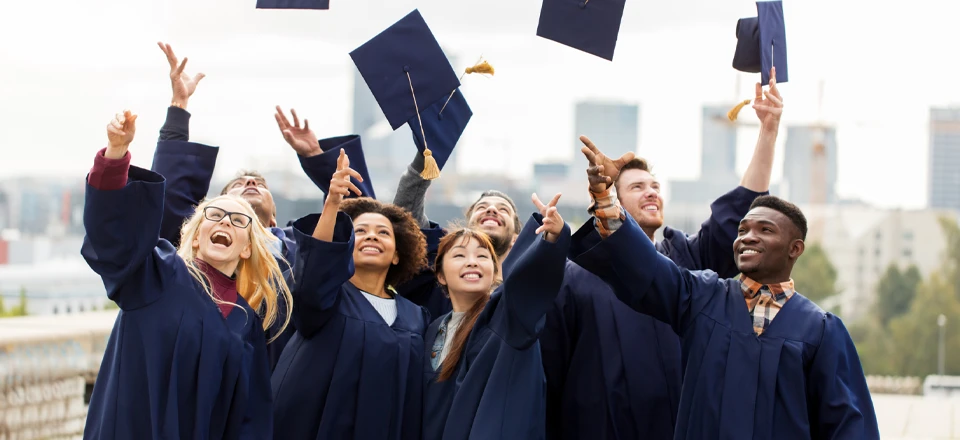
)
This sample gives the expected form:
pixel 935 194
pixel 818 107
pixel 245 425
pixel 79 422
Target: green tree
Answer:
pixel 814 274
pixel 895 292
pixel 951 266
pixel 874 346
pixel 915 335
pixel 19 310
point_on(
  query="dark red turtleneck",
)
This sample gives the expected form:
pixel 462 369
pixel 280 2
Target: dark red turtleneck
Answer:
pixel 224 288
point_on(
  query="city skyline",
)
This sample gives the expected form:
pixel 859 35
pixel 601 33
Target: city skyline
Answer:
pixel 671 60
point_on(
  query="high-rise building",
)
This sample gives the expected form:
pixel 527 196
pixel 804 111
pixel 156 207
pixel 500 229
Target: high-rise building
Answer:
pixel 718 161
pixel 945 158
pixel 613 127
pixel 798 163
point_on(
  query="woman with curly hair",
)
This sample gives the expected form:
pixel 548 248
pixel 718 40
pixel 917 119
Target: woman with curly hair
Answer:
pixel 187 357
pixel 354 367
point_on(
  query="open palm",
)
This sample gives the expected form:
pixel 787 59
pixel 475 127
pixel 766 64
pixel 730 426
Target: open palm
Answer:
pixel 302 139
pixel 183 85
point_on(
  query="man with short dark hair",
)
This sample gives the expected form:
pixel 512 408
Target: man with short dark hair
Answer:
pixel 760 360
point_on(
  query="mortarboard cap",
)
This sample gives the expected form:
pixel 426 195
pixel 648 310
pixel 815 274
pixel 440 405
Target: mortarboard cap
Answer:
pixel 443 123
pixel 762 43
pixel 293 4
pixel 405 56
pixel 320 168
pixel 588 25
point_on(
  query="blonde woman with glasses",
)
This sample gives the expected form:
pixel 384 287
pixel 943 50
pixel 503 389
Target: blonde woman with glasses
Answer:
pixel 187 356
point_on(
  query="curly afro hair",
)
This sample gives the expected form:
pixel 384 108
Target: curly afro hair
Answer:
pixel 411 243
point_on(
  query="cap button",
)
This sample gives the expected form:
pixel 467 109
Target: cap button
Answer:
pixel 583 5
pixel 406 68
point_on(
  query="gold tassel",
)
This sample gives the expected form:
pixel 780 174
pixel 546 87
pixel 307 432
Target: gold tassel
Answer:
pixel 732 114
pixel 483 67
pixel 430 169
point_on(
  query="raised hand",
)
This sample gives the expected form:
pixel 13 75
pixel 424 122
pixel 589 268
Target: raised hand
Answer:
pixel 120 133
pixel 552 222
pixel 303 140
pixel 182 84
pixel 340 184
pixel 608 167
pixel 768 103
pixel 598 180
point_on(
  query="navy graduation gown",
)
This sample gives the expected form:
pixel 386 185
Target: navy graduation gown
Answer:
pixel 614 373
pixel 498 389
pixel 345 373
pixel 188 168
pixel 173 366
pixel 800 379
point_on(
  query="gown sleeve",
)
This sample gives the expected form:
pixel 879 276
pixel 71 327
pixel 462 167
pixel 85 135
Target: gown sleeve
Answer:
pixel 711 248
pixel 123 205
pixel 320 271
pixel 648 282
pixel 187 168
pixel 840 402
pixel 531 289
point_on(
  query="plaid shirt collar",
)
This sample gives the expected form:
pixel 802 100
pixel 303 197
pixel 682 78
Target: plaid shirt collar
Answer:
pixel 751 289
pixel 764 301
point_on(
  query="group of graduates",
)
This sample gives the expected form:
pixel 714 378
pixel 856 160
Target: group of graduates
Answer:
pixel 369 321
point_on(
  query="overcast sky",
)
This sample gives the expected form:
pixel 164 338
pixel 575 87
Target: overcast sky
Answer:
pixel 68 66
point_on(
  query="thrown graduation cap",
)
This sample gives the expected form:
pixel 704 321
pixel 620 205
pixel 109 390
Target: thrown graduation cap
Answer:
pixel 320 168
pixel 762 43
pixel 443 124
pixel 588 25
pixel 443 130
pixel 293 4
pixel 405 69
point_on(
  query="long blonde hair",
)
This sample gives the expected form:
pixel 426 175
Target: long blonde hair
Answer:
pixel 259 278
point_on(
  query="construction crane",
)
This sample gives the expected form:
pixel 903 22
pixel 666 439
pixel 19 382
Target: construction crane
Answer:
pixel 818 163
pixel 818 173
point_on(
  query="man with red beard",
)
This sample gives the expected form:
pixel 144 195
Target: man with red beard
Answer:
pixel 612 372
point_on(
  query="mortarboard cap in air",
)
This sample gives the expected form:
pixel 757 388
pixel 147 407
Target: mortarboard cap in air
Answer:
pixel 588 25
pixel 443 124
pixel 762 43
pixel 320 168
pixel 293 4
pixel 405 56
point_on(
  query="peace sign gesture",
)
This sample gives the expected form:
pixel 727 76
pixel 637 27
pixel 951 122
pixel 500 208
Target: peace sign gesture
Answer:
pixel 552 222
pixel 340 184
pixel 183 85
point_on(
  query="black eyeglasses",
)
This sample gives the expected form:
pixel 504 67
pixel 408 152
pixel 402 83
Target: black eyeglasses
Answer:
pixel 215 214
